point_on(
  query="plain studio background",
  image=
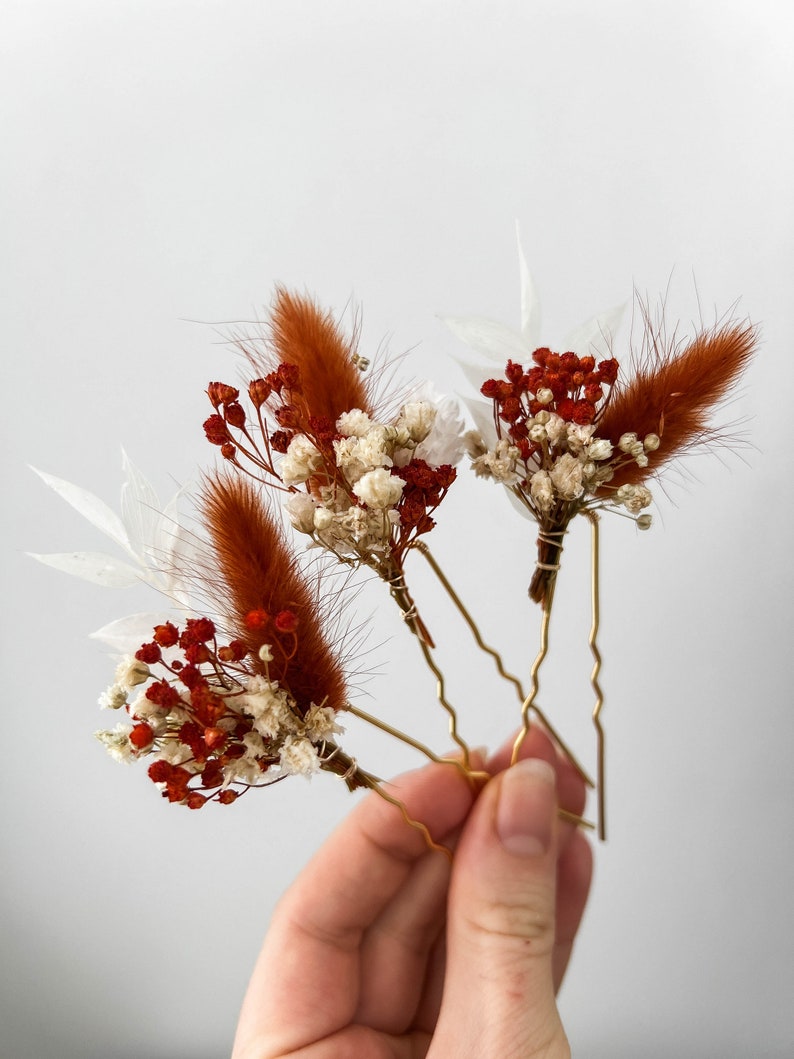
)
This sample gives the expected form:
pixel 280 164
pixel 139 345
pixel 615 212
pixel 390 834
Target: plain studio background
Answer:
pixel 167 163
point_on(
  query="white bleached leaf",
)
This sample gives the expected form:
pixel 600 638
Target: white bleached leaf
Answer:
pixel 90 507
pixel 488 338
pixel 482 414
pixel 96 567
pixel 521 508
pixel 596 335
pixel 530 302
pixel 140 508
pixel 126 635
pixel 476 374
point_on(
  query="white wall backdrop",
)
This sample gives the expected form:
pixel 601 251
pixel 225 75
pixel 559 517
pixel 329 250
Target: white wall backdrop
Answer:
pixel 167 162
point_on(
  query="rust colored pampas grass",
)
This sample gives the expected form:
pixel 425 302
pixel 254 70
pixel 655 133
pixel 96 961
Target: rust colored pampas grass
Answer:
pixel 259 583
pixel 674 392
pixel 303 334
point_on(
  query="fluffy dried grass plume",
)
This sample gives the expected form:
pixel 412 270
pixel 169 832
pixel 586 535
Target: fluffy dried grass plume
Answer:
pixel 303 334
pixel 673 393
pixel 256 571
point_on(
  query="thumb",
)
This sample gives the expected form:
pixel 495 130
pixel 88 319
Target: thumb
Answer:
pixel 499 991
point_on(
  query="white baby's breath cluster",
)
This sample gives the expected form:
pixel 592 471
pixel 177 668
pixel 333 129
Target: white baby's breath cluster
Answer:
pixel 571 464
pixel 355 512
pixel 290 744
pixel 129 674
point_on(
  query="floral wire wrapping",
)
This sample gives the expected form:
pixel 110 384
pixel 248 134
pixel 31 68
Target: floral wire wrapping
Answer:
pixel 220 704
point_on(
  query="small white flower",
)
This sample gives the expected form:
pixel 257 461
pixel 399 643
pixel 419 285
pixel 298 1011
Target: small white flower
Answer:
pixel 174 751
pixel 117 742
pixel 269 705
pixel 541 491
pixel 242 770
pixel 300 462
pixel 142 709
pixel 355 456
pixel 265 653
pixel 578 437
pixel 556 428
pixel 320 723
pixel 299 756
pixel 566 474
pixel 254 744
pixel 417 417
pixel 300 509
pixel 323 519
pixel 626 441
pixel 651 442
pixel 131 672
pixel 544 395
pixel 379 489
pixel 113 698
pixel 500 464
pixel 599 449
pixel 354 423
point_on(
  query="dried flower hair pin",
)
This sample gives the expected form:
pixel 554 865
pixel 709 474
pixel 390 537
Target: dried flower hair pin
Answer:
pixel 248 687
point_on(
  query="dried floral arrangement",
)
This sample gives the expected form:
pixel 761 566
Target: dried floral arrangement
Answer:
pixel 243 683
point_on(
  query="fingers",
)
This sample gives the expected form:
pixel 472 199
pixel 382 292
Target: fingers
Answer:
pixel 575 863
pixel 574 874
pixel 571 791
pixel 307 981
pixel 499 994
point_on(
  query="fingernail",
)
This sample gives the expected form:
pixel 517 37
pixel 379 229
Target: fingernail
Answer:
pixel 527 803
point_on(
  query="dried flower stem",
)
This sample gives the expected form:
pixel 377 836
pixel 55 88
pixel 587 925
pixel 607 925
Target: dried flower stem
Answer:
pixel 594 595
pixel 402 597
pixel 510 677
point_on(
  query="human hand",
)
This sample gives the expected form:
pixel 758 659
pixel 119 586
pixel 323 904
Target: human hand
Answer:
pixel 383 950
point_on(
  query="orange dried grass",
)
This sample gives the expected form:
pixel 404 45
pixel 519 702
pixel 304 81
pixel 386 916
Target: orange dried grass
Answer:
pixel 303 334
pixel 257 571
pixel 674 393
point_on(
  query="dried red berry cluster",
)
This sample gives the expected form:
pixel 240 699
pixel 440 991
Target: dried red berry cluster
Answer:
pixel 577 386
pixel 425 488
pixel 213 731
pixel 229 413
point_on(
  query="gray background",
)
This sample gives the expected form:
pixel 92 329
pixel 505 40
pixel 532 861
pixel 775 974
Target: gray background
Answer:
pixel 167 162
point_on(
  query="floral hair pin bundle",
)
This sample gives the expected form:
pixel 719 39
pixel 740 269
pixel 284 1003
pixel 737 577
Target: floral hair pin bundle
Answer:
pixel 243 679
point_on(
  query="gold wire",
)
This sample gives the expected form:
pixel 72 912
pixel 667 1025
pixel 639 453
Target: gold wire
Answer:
pixel 529 701
pixel 421 547
pixel 572 818
pixel 471 774
pixel 416 824
pixel 451 712
pixel 414 622
pixel 594 595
